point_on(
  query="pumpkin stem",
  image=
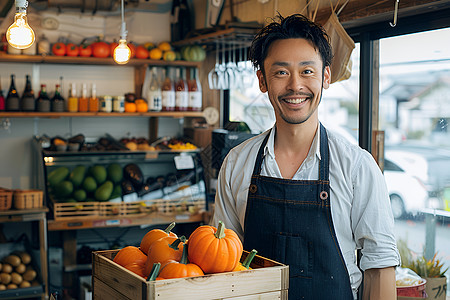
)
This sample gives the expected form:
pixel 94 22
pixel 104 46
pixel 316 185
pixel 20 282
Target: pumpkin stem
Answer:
pixel 184 256
pixel 169 228
pixel 174 245
pixel 249 258
pixel 154 272
pixel 220 233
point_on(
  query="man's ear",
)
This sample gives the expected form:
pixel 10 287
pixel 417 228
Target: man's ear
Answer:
pixel 326 77
pixel 262 81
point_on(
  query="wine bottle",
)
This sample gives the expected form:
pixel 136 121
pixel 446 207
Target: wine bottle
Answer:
pixel 58 102
pixel 28 100
pixel 2 98
pixel 168 92
pixel 181 91
pixel 43 101
pixel 12 102
pixel 154 93
pixel 195 92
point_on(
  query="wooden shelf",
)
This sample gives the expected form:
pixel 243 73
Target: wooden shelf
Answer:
pixel 54 115
pixel 86 223
pixel 77 60
pixel 23 215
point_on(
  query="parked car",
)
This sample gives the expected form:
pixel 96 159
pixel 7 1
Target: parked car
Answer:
pixel 407 192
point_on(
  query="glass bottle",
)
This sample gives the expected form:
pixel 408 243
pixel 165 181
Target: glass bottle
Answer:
pixel 58 102
pixel 154 93
pixel 12 102
pixel 72 101
pixel 27 103
pixel 93 100
pixel 83 101
pixel 2 98
pixel 43 101
pixel 168 92
pixel 181 91
pixel 195 92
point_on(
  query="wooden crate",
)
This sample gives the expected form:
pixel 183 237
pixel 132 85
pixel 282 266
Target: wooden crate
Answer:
pixel 267 280
pixel 70 210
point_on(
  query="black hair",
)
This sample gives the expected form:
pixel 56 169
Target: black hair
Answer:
pixel 293 26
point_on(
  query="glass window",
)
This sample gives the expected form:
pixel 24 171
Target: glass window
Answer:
pixel 414 109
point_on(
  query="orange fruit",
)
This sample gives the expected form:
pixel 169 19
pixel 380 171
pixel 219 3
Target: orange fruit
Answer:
pixel 164 46
pixel 155 53
pixel 128 255
pixel 130 107
pixel 141 105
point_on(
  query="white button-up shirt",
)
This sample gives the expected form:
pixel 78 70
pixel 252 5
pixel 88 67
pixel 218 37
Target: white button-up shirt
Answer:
pixel 360 206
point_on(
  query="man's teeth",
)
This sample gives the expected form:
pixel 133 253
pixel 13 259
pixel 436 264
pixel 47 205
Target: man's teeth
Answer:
pixel 295 101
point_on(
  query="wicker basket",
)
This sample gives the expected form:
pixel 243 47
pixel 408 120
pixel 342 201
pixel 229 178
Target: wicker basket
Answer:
pixel 27 199
pixel 5 199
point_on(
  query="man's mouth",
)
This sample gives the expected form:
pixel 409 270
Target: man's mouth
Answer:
pixel 295 100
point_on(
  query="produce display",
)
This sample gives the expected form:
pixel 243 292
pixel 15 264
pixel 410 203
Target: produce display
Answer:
pixel 156 51
pixel 85 184
pixel 163 255
pixel 16 271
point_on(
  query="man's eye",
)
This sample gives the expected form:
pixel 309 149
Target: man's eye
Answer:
pixel 281 73
pixel 308 72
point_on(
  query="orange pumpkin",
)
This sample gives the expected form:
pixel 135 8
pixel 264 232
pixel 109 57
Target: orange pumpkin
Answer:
pixel 245 265
pixel 154 235
pixel 175 269
pixel 163 250
pixel 128 255
pixel 215 250
pixel 137 268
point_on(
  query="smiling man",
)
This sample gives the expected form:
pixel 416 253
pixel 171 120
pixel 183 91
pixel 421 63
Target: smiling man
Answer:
pixel 299 194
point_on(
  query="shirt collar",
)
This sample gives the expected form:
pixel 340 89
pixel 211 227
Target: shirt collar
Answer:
pixel 269 148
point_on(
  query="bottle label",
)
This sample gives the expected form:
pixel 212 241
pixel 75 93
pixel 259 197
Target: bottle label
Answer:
pixel 168 99
pixel 155 101
pixel 195 100
pixel 106 104
pixel 181 99
pixel 119 104
pixel 28 104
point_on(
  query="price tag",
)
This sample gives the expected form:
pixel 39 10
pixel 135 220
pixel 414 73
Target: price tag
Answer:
pixel 183 162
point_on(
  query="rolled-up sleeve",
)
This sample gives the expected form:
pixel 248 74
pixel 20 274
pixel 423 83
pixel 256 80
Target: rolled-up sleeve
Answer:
pixel 372 220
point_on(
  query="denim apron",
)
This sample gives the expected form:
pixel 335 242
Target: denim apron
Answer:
pixel 289 221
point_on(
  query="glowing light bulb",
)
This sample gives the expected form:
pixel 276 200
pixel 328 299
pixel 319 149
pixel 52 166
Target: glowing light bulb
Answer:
pixel 122 53
pixel 20 35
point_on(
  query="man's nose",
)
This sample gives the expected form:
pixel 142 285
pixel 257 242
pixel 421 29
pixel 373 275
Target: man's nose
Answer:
pixel 296 83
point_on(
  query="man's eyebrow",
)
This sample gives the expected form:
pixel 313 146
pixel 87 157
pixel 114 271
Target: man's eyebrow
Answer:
pixel 302 63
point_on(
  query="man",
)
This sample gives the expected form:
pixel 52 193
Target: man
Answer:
pixel 301 195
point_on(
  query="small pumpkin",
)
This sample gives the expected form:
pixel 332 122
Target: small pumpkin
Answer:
pixel 154 235
pixel 128 255
pixel 163 250
pixel 175 269
pixel 215 250
pixel 245 265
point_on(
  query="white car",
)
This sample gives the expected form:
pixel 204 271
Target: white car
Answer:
pixel 407 192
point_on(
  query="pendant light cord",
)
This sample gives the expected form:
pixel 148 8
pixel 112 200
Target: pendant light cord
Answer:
pixel 123 31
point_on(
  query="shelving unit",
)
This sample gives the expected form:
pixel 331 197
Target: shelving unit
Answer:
pixel 30 215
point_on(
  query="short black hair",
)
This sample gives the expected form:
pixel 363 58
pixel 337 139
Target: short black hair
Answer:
pixel 293 26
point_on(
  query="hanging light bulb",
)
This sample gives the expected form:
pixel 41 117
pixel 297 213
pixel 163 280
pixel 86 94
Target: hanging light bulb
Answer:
pixel 20 35
pixel 122 52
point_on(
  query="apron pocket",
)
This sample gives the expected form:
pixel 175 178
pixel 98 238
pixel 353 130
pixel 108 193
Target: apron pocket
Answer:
pixel 294 251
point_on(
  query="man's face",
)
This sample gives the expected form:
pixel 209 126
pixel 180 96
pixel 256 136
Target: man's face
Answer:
pixel 293 79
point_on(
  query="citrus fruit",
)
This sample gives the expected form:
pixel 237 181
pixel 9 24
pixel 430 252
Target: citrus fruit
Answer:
pixel 169 55
pixel 164 46
pixel 155 53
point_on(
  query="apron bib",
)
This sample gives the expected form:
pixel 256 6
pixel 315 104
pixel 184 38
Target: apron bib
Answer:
pixel 290 221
